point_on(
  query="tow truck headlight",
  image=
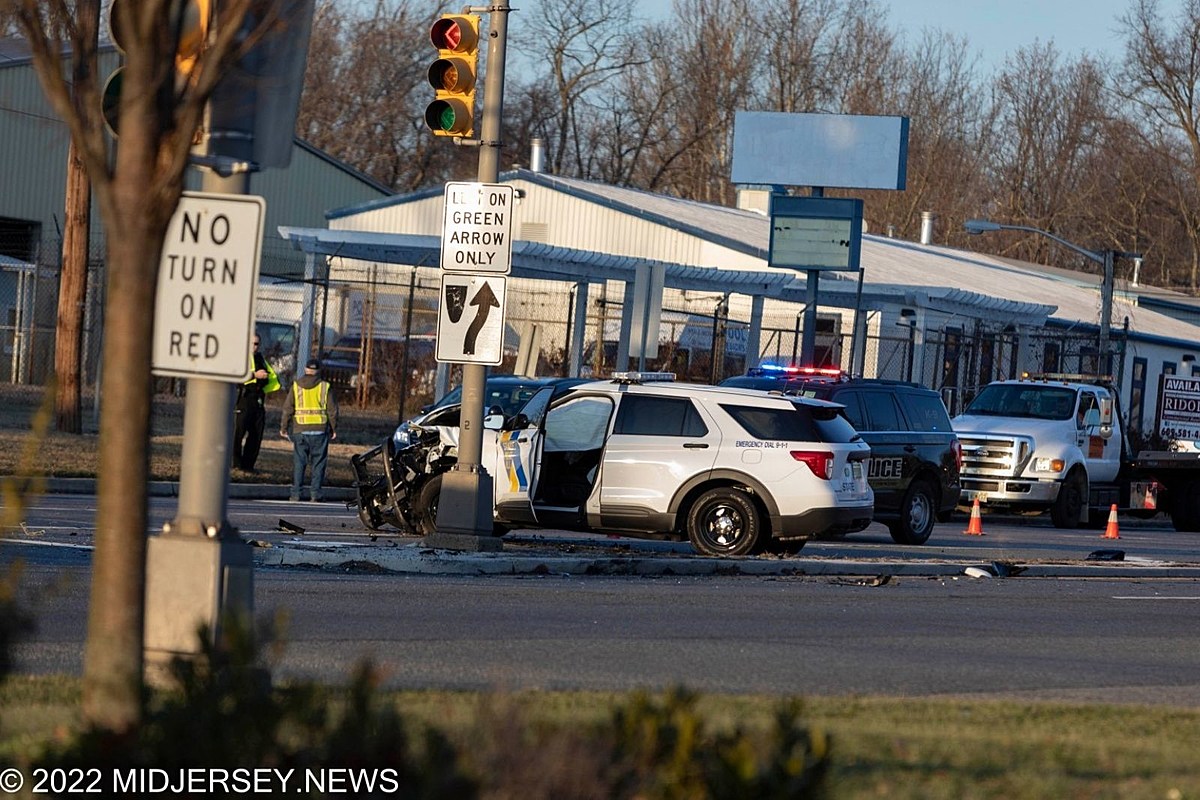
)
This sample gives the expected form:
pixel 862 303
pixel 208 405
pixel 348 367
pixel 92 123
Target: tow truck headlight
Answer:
pixel 1048 465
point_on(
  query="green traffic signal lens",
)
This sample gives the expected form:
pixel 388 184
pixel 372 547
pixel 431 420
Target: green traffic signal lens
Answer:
pixel 448 118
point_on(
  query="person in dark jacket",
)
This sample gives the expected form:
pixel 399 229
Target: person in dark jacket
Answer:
pixel 250 415
pixel 312 411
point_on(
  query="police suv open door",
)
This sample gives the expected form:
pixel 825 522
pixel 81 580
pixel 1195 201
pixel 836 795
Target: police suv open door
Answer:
pixel 567 459
pixel 518 446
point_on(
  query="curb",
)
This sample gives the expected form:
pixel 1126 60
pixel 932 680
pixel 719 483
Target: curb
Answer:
pixel 414 559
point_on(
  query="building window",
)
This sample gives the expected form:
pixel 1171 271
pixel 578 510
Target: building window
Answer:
pixel 987 358
pixel 1089 361
pixel 951 350
pixel 1050 357
pixel 1137 394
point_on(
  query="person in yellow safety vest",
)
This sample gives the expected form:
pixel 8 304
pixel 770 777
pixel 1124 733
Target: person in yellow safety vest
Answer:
pixel 250 415
pixel 312 411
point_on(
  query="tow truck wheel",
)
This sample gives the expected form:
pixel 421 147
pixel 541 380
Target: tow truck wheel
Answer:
pixel 1185 509
pixel 725 522
pixel 1068 506
pixel 917 515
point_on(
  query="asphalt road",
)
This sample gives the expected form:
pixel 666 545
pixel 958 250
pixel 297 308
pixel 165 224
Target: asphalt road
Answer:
pixel 69 518
pixel 1102 640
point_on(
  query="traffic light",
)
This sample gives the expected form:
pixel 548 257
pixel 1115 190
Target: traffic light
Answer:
pixel 188 20
pixel 452 75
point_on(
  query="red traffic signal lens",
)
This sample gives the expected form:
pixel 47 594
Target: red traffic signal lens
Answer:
pixel 453 33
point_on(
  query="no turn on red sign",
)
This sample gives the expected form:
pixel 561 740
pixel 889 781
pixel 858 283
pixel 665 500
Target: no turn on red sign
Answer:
pixel 207 277
pixel 477 227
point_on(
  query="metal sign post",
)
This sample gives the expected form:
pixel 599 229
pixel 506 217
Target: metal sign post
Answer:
pixel 198 570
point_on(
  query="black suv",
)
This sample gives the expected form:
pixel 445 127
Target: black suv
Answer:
pixel 915 455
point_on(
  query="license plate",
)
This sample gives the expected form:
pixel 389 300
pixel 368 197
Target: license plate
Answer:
pixel 981 497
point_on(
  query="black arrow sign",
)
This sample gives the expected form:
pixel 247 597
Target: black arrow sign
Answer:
pixel 486 300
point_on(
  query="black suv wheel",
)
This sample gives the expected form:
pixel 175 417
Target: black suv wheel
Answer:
pixel 918 511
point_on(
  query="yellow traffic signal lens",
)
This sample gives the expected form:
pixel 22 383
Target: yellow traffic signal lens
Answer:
pixel 451 75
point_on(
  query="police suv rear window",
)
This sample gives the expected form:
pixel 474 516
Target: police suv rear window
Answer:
pixel 646 415
pixel 800 423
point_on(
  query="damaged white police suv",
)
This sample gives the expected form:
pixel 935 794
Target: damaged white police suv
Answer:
pixel 734 471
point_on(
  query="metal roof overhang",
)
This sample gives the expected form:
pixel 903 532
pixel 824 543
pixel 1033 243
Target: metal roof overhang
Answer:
pixel 549 262
pixel 539 261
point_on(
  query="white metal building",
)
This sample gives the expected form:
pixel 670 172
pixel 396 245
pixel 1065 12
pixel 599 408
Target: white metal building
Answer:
pixel 948 318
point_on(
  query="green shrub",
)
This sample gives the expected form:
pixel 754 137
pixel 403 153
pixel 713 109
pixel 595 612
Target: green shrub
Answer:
pixel 225 713
pixel 663 749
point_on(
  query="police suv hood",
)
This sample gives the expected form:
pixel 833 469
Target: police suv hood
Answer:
pixel 983 424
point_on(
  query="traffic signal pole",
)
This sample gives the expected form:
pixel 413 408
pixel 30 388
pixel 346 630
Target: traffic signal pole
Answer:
pixel 464 520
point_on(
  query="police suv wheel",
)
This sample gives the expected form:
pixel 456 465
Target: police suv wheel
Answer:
pixel 425 507
pixel 724 522
pixel 368 515
pixel 918 512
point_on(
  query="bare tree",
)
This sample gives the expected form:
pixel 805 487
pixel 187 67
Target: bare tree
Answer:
pixel 1161 77
pixel 799 44
pixel 1049 119
pixel 365 91
pixel 865 52
pixel 948 138
pixel 692 149
pixel 137 195
pixel 585 46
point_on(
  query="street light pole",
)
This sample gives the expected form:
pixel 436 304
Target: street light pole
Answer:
pixel 1105 258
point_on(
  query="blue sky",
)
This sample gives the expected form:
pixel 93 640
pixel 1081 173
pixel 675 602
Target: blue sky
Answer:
pixel 995 28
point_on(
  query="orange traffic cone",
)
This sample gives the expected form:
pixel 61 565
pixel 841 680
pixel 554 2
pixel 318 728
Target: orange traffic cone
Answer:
pixel 975 526
pixel 1111 531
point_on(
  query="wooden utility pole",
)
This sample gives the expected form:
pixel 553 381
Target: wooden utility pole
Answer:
pixel 72 282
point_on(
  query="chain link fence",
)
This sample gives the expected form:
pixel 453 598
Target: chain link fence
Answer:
pixel 375 325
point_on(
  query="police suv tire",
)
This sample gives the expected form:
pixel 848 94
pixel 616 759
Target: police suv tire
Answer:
pixel 725 522
pixel 1068 506
pixel 426 505
pixel 918 512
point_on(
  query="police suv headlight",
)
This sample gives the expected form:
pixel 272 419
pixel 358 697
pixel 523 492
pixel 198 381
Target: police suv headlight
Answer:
pixel 401 437
pixel 1048 465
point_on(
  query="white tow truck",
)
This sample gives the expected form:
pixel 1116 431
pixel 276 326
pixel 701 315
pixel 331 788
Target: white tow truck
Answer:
pixel 1056 442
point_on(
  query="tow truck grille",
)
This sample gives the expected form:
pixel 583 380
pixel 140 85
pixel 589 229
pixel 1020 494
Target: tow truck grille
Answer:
pixel 990 457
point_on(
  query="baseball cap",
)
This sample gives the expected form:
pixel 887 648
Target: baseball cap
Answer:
pixel 313 363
